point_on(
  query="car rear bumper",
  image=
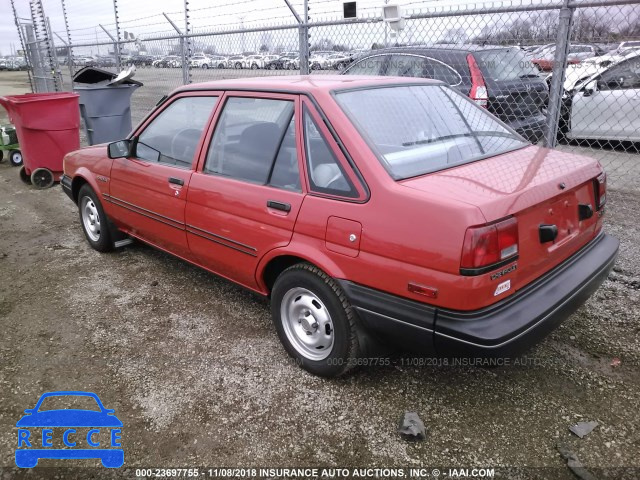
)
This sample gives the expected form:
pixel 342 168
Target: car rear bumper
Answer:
pixel 501 330
pixel 531 128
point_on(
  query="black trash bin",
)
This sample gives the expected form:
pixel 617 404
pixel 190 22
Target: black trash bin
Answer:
pixel 105 103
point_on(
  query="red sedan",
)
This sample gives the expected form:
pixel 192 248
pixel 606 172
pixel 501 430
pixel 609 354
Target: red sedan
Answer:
pixel 361 206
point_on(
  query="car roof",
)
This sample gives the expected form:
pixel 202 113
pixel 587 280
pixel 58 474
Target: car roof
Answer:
pixel 304 83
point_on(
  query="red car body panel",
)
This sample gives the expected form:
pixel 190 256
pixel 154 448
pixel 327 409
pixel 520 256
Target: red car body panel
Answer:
pixel 395 233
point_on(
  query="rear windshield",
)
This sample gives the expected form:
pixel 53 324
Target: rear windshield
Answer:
pixel 417 129
pixel 507 64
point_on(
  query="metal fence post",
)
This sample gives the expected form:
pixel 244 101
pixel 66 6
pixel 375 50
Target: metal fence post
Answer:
pixel 68 43
pixel 116 45
pixel 304 41
pixel 23 44
pixel 186 46
pixel 558 74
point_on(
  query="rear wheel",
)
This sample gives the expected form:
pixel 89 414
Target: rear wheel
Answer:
pixel 205 66
pixel 15 158
pixel 24 176
pixel 94 220
pixel 315 321
pixel 42 178
pixel 1 155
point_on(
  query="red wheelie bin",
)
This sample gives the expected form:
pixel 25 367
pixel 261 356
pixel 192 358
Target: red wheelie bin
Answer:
pixel 48 127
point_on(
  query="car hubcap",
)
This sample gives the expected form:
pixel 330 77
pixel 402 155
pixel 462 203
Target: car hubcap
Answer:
pixel 91 219
pixel 307 324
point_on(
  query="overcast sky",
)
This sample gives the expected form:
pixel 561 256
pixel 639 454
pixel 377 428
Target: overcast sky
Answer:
pixel 144 18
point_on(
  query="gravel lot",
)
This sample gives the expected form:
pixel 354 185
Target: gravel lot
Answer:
pixel 192 366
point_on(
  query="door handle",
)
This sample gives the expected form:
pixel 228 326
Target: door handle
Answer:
pixel 285 207
pixel 176 181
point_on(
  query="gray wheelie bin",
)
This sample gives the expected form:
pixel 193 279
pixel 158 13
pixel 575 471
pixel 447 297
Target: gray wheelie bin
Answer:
pixel 105 103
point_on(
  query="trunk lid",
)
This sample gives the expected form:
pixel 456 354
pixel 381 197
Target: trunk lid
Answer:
pixel 536 186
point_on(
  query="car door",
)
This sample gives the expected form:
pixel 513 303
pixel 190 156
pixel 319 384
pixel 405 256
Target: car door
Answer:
pixel 245 196
pixel 611 111
pixel 148 191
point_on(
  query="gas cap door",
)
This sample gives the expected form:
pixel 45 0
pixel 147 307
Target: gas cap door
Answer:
pixel 343 236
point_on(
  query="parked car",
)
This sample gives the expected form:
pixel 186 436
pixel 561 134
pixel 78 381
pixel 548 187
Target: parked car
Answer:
pixel 200 60
pixel 498 78
pixel 545 60
pixel 577 73
pixel 85 62
pixel 171 61
pixel 338 61
pixel 236 61
pixel 253 62
pixel 628 45
pixel 106 61
pixel 141 60
pixel 401 207
pixel 218 61
pixel 606 106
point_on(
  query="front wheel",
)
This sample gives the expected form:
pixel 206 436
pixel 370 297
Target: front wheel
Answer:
pixel 314 320
pixel 94 220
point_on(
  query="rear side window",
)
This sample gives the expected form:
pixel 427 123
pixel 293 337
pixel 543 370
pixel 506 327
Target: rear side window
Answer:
pixel 326 175
pixel 172 137
pixel 367 66
pixel 423 67
pixel 254 141
pixel 505 64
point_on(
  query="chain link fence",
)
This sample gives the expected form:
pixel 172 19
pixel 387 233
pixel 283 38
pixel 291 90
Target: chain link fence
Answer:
pixel 563 73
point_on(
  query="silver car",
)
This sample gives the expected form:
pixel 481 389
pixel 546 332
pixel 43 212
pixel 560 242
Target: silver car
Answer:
pixel 606 106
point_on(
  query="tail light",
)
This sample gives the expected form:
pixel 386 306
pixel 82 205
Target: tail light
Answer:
pixel 478 88
pixel 488 246
pixel 600 187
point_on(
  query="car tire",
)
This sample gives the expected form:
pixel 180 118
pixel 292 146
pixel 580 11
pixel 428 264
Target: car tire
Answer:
pixel 254 66
pixel 26 178
pixel 205 66
pixel 1 155
pixel 238 66
pixel 93 220
pixel 15 158
pixel 315 321
pixel 42 178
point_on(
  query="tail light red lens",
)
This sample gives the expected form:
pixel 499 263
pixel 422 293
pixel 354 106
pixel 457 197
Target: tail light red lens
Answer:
pixel 488 245
pixel 478 88
pixel 601 190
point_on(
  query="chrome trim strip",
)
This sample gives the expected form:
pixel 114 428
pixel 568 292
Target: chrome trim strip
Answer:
pixel 220 243
pixel 135 208
pixel 248 247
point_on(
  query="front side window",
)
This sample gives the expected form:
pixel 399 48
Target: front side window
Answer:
pixel 367 66
pixel 254 141
pixel 625 75
pixel 172 137
pixel 420 129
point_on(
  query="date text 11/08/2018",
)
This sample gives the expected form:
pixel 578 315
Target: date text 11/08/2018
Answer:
pixel 228 472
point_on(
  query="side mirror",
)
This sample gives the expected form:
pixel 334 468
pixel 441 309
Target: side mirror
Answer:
pixel 120 149
pixel 590 88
